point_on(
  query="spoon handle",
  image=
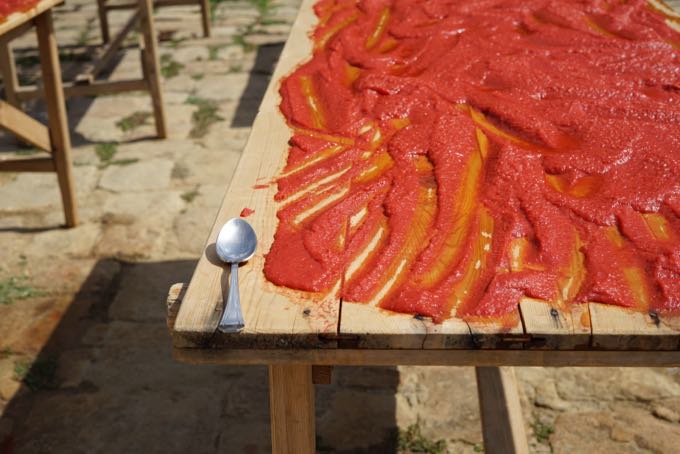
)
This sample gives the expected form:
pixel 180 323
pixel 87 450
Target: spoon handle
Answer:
pixel 232 318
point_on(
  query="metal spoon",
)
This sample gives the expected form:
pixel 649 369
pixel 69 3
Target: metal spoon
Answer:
pixel 235 243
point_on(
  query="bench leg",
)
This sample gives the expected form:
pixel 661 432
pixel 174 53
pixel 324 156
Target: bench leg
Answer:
pixel 205 17
pixel 502 422
pixel 151 66
pixel 56 112
pixel 291 408
pixel 9 73
pixel 103 21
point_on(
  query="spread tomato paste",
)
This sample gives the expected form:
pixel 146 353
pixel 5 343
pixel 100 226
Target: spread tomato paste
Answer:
pixel 8 7
pixel 451 157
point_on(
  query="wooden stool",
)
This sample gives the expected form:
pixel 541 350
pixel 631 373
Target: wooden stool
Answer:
pixel 103 8
pixel 85 83
pixel 53 139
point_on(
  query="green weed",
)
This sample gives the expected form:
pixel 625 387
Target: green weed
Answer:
pixel 189 196
pixel 169 67
pixel 133 121
pixel 16 288
pixel 105 152
pixel 542 431
pixel 413 440
pixel 240 40
pixel 203 117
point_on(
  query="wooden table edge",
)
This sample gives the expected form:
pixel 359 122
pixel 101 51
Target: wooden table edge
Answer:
pixel 413 357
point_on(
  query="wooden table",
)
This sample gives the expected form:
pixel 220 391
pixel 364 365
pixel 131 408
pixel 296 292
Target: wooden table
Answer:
pixel 54 139
pixel 299 338
pixel 86 82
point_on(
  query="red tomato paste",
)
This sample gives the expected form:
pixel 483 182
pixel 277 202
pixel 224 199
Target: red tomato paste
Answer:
pixel 246 212
pixel 8 7
pixel 450 157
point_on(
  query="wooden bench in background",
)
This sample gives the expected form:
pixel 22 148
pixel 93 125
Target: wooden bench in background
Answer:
pixel 54 138
pixel 104 6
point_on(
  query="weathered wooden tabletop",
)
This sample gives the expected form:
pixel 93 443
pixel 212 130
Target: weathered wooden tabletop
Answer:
pixel 282 319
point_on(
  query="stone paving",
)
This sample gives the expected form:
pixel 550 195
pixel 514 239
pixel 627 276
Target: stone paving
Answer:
pixel 85 361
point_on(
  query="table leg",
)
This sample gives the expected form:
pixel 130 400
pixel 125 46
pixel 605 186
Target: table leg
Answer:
pixel 103 21
pixel 291 408
pixel 502 422
pixel 205 17
pixel 151 66
pixel 56 112
pixel 9 73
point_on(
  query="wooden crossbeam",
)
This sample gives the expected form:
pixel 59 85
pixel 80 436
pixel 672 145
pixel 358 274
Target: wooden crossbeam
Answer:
pixel 27 165
pixel 16 32
pixel 25 127
pixel 92 70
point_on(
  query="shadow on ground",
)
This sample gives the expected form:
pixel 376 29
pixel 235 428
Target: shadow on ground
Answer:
pixel 106 382
pixel 249 102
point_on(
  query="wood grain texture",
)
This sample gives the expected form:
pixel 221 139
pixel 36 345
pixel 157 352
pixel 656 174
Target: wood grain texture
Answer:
pixel 274 317
pixel 502 421
pixel 438 357
pixel 60 138
pixel 25 127
pixel 618 328
pixel 291 409
pixel 553 327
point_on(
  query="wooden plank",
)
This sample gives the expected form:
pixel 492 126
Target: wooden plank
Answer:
pixel 274 317
pixel 56 113
pixel 615 327
pixel 16 19
pixel 553 327
pixel 24 127
pixel 27 165
pixel 367 326
pixel 291 409
pixel 502 422
pixel 322 375
pixel 424 357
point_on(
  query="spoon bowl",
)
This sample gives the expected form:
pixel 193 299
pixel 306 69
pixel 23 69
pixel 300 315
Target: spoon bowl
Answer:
pixel 235 243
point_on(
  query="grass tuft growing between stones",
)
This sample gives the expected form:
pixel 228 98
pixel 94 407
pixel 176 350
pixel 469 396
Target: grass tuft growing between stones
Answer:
pixel 189 196
pixel 542 431
pixel 412 440
pixel 203 117
pixel 39 374
pixel 170 67
pixel 240 40
pixel 106 152
pixel 16 288
pixel 133 121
